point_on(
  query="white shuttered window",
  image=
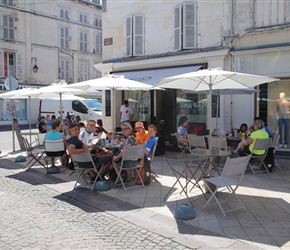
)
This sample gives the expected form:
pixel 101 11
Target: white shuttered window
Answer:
pixel 185 26
pixel 135 35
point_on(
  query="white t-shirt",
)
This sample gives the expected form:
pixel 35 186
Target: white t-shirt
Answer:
pixel 85 137
pixel 126 113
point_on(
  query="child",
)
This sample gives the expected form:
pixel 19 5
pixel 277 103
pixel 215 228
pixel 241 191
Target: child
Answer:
pixel 115 150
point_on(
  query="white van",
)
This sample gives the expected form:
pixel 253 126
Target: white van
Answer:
pixel 87 109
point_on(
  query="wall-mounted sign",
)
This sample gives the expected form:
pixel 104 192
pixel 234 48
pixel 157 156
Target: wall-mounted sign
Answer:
pixel 108 41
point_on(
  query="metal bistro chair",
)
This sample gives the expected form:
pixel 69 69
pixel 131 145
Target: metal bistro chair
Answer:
pixel 55 149
pixel 230 179
pixel 184 147
pixel 152 157
pixel 260 144
pixel 275 144
pixel 219 143
pixel 84 162
pixel 35 152
pixel 129 161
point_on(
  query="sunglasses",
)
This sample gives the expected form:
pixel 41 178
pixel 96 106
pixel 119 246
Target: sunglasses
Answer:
pixel 124 128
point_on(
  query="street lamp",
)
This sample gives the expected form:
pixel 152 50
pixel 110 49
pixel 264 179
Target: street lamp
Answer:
pixel 35 68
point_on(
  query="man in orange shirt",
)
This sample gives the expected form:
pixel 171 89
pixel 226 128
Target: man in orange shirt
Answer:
pixel 142 135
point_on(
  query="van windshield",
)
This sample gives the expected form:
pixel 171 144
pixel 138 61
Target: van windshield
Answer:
pixel 95 105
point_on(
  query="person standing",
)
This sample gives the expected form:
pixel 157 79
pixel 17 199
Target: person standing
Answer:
pixel 283 119
pixel 126 113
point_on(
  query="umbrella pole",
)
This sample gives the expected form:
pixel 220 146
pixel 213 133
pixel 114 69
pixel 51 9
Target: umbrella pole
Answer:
pixel 210 134
pixel 113 114
pixel 29 99
pixel 61 110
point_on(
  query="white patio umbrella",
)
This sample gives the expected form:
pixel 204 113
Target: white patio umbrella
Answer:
pixel 182 100
pixel 213 79
pixel 51 91
pixel 13 95
pixel 113 83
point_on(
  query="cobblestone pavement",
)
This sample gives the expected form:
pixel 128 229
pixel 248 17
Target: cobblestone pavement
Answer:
pixel 33 218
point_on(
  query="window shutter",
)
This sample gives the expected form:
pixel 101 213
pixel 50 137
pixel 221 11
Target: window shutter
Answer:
pixel 85 41
pixel 129 36
pixel 67 71
pixel 19 73
pixel 138 33
pixel 177 28
pixel 1 64
pixel 98 44
pixel 189 26
pixel 66 38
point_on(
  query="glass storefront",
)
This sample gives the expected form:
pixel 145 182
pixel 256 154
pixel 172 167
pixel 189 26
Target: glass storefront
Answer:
pixel 7 107
pixel 140 102
pixel 273 104
pixel 192 105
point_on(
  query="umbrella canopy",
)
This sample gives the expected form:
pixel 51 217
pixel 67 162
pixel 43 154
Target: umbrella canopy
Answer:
pixel 213 79
pixel 51 91
pixel 182 100
pixel 113 83
pixel 15 95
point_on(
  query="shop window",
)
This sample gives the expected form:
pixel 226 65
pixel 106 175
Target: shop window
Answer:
pixel 192 105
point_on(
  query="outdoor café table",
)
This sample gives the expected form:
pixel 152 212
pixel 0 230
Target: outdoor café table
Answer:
pixel 233 141
pixel 187 160
pixel 211 155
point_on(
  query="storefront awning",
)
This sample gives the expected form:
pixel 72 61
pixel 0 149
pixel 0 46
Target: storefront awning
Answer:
pixel 155 75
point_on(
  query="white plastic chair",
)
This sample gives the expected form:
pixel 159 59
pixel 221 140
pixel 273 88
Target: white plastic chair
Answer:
pixel 230 179
pixel 84 162
pixel 129 161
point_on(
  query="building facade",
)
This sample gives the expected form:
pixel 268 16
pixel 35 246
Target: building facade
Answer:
pixel 146 41
pixel 44 42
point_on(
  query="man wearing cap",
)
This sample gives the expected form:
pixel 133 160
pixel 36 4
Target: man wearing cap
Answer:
pixel 142 135
pixel 126 113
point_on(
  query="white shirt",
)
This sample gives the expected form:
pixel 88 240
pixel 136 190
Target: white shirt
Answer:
pixel 86 137
pixel 126 113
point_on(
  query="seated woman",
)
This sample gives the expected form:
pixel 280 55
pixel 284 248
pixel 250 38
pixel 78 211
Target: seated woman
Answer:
pixel 182 130
pixel 54 135
pixel 246 146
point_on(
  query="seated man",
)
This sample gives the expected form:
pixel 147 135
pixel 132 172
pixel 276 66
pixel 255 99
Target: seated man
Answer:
pixel 77 146
pixel 42 125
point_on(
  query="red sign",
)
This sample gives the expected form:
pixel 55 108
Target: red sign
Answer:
pixel 108 41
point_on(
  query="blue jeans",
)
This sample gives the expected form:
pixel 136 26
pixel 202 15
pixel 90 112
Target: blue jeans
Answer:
pixel 282 122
